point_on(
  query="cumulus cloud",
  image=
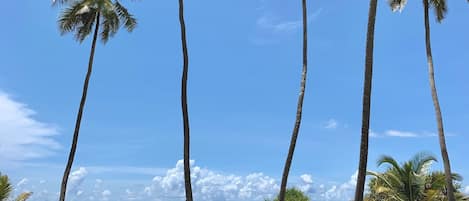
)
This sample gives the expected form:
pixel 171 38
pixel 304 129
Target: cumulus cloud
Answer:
pixel 306 184
pixel 466 190
pixel 105 195
pixel 341 192
pixel 75 180
pixel 22 136
pixel 212 186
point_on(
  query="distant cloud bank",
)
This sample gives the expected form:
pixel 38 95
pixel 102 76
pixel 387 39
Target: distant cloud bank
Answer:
pixel 208 185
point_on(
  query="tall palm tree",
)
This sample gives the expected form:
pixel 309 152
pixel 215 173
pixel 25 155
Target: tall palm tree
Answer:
pixel 185 111
pixel 440 9
pixel 80 17
pixel 363 160
pixel 6 188
pixel 299 110
pixel 411 181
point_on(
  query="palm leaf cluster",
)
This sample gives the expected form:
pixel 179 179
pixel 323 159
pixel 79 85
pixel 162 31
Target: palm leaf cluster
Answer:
pixel 6 188
pixel 80 16
pixel 411 181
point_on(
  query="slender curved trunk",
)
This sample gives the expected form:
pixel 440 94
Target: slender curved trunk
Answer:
pixel 185 112
pixel 71 156
pixel 366 102
pixel 436 104
pixel 296 128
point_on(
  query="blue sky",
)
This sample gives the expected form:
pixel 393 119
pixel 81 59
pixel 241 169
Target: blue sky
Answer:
pixel 245 65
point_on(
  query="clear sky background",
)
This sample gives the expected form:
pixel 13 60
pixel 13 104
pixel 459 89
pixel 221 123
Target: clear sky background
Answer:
pixel 245 68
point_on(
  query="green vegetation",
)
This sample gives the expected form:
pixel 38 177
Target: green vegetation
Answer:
pixel 5 190
pixel 293 194
pixel 411 181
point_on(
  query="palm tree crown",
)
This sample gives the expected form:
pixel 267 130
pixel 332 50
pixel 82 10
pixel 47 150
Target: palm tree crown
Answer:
pixel 411 181
pixel 81 15
pixel 439 6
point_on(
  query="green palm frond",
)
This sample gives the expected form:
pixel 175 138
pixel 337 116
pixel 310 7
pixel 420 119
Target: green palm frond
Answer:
pixel 23 196
pixel 389 160
pixel 111 24
pixel 421 162
pixel 440 8
pixel 5 187
pixel 81 15
pixel 127 19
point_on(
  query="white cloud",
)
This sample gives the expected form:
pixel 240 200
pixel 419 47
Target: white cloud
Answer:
pixel 342 192
pixel 212 186
pixel 306 183
pixel 331 124
pixel 270 22
pixel 405 134
pixel 75 180
pixel 466 190
pixel 22 182
pixel 208 185
pixel 396 133
pixel 22 136
pixel 105 195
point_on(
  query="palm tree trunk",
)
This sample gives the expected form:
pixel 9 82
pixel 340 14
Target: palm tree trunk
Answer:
pixel 366 102
pixel 436 104
pixel 299 110
pixel 73 149
pixel 185 112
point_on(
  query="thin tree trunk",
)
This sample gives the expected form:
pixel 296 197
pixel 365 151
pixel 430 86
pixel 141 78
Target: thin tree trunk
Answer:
pixel 436 104
pixel 296 128
pixel 71 156
pixel 366 102
pixel 185 112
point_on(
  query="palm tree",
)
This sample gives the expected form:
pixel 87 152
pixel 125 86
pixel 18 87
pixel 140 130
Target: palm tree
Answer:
pixel 366 102
pixel 185 112
pixel 79 17
pixel 299 110
pixel 5 190
pixel 411 181
pixel 440 9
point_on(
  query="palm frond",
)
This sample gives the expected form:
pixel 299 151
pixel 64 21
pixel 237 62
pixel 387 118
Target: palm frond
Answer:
pixel 127 19
pixel 5 187
pixel 110 25
pixel 440 9
pixel 389 160
pixel 75 16
pixel 421 162
pixel 86 26
pixel 23 196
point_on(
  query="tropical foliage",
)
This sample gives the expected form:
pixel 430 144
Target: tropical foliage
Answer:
pixel 411 181
pixel 6 188
pixel 293 194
